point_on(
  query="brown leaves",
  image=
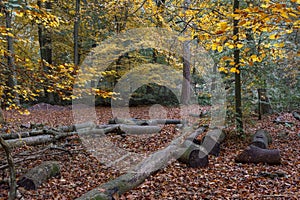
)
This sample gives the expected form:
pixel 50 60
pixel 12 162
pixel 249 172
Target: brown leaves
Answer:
pixel 223 178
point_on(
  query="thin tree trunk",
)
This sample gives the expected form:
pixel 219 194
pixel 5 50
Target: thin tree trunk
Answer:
pixel 10 161
pixel 76 33
pixel 12 78
pixel 185 90
pixel 1 115
pixel 238 89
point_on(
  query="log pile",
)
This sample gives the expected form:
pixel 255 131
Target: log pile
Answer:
pixel 117 126
pixel 257 151
pixel 196 154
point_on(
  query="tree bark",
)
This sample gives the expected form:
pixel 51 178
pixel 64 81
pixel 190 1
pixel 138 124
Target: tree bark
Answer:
pixel 238 89
pixel 12 76
pixel 12 182
pixel 36 176
pixel 264 106
pixel 76 33
pixel 45 41
pixel 145 122
pixel 2 121
pixel 254 154
pixel 257 152
pixel 186 82
pixel 261 139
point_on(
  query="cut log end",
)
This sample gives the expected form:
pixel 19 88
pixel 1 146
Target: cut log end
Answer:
pixel 36 176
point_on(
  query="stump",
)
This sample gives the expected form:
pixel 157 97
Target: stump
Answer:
pixel 36 176
pixel 261 139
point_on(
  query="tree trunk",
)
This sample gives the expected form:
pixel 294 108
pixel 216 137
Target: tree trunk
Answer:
pixel 12 77
pixel 185 91
pixel 10 161
pixel 45 40
pixel 36 176
pixel 264 106
pixel 254 154
pixel 238 89
pixel 2 121
pixel 76 34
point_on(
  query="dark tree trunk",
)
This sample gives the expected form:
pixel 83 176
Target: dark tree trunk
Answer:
pixel 238 89
pixel 2 121
pixel 264 106
pixel 45 40
pixel 76 33
pixel 12 76
pixel 36 176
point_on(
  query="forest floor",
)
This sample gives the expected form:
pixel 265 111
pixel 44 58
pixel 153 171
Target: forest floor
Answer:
pixel 222 179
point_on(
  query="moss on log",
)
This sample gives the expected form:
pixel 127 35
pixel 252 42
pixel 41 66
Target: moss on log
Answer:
pixel 39 174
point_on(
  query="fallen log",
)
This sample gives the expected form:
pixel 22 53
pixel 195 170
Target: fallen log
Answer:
pixel 143 122
pixel 194 155
pixel 22 134
pixel 36 176
pixel 77 127
pixel 257 152
pixel 141 171
pixel 212 141
pixel 30 141
pixel 139 130
pixel 254 154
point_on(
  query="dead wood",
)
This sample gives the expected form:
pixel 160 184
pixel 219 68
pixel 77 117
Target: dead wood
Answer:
pixel 254 154
pixel 12 179
pixel 257 152
pixel 141 171
pixel 36 176
pixel 142 122
pixel 261 139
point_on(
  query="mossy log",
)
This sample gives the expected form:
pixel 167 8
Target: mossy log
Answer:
pixel 137 175
pixel 254 154
pixel 39 174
